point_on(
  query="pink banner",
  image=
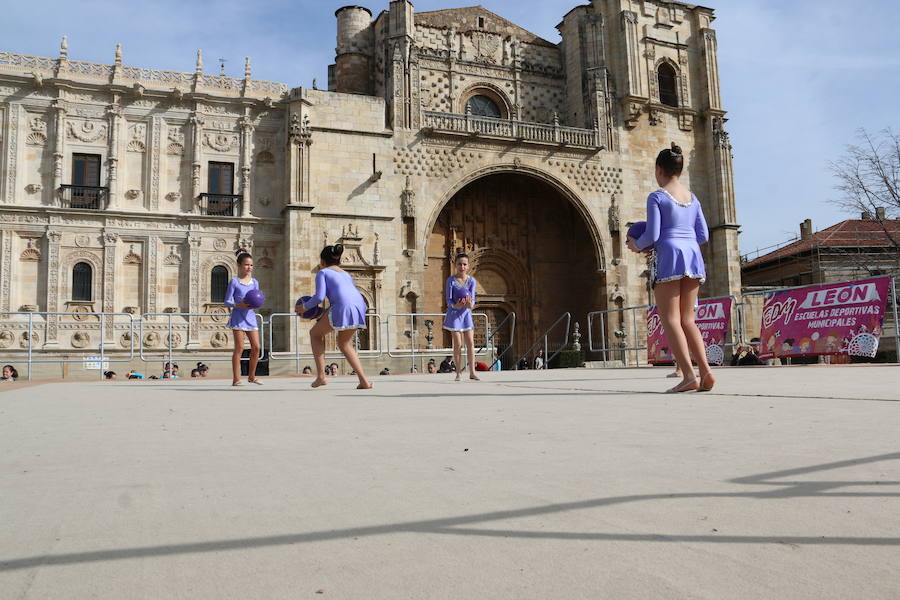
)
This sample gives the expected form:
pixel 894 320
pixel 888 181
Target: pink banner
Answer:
pixel 838 318
pixel 713 317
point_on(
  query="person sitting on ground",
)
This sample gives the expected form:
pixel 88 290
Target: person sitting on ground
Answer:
pixel 9 374
pixel 447 366
pixel 195 373
pixel 432 368
pixel 307 370
pixel 539 360
pixel 335 370
pixel 202 369
pixel 132 374
pixel 414 369
pixel 109 374
pixel 523 364
pixel 747 355
pixel 385 371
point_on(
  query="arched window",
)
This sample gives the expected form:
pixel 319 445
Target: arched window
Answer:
pixel 668 84
pixel 480 105
pixel 218 284
pixel 82 278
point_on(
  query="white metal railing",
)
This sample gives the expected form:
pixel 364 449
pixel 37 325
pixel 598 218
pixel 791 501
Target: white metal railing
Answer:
pixel 188 323
pixel 543 342
pixel 416 323
pixel 373 325
pixel 513 129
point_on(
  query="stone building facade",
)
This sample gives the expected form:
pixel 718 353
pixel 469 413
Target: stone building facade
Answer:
pixel 128 189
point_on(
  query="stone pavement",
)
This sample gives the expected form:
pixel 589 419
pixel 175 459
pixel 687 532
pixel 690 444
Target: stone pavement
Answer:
pixel 782 483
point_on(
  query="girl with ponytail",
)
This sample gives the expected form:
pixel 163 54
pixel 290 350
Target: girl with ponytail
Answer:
pixel 345 314
pixel 243 318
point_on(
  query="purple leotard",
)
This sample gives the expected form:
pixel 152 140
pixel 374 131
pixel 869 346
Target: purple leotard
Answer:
pixel 459 319
pixel 675 231
pixel 347 308
pixel 241 318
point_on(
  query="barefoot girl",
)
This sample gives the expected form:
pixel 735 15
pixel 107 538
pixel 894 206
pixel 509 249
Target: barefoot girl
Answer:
pixel 460 296
pixel 676 228
pixel 346 313
pixel 243 318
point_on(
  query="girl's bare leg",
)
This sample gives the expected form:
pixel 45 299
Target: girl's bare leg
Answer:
pixel 457 352
pixel 689 289
pixel 253 336
pixel 668 300
pixel 345 343
pixel 236 356
pixel 470 351
pixel 317 341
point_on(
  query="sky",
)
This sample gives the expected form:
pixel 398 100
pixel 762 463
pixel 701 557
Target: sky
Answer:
pixel 799 77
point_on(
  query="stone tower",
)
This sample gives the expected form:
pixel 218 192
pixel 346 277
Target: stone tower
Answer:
pixel 354 52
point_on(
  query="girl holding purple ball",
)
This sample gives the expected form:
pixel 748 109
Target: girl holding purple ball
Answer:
pixel 243 317
pixel 675 229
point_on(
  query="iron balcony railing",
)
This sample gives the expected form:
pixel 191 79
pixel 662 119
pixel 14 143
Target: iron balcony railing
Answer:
pixel 525 131
pixel 220 205
pixel 86 197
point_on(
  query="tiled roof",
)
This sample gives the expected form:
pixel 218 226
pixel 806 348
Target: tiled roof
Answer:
pixel 852 233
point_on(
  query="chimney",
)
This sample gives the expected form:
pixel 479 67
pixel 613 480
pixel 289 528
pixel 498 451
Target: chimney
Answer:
pixel 879 213
pixel 806 229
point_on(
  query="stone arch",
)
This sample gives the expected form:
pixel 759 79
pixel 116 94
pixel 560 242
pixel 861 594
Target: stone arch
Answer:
pixel 490 90
pixel 206 268
pixel 677 88
pixel 68 263
pixel 519 169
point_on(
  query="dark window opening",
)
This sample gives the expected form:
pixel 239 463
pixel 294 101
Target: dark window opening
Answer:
pixel 218 284
pixel 86 170
pixel 82 276
pixel 221 178
pixel 668 84
pixel 482 106
pixel 481 22
pixel 409 232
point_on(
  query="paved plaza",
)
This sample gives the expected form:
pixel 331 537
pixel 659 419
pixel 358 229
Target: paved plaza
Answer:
pixel 782 483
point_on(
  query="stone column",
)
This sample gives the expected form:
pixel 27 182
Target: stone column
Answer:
pixel 14 117
pixel 6 239
pixel 155 151
pixel 110 240
pixel 114 113
pixel 194 242
pixel 297 259
pixel 711 64
pixel 59 139
pixel 196 151
pixel 246 158
pixel 300 142
pixel 151 283
pixel 51 339
pixel 634 82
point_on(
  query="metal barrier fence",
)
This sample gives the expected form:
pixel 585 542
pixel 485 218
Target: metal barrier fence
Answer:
pixel 293 352
pixel 542 341
pixel 53 322
pixel 418 321
pixel 191 325
pixel 489 341
pixel 634 350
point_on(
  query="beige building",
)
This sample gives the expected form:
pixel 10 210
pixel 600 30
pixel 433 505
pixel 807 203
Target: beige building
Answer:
pixel 127 189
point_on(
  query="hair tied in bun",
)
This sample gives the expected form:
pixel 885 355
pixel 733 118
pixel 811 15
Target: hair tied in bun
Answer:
pixel 241 251
pixel 338 249
pixel 676 149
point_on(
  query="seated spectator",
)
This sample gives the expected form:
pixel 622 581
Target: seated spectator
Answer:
pixel 414 369
pixel 307 370
pixel 480 366
pixel 202 369
pixel 335 370
pixel 432 368
pixel 385 371
pixel 447 366
pixel 109 374
pixel 132 374
pixel 9 374
pixel 523 364
pixel 195 373
pixel 747 355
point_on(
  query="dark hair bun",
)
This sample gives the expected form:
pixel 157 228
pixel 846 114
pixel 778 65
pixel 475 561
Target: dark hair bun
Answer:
pixel 337 250
pixel 676 149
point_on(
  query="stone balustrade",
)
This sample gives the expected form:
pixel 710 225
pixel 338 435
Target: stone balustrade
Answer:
pixel 524 131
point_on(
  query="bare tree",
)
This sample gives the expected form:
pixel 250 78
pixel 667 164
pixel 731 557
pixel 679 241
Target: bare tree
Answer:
pixel 869 178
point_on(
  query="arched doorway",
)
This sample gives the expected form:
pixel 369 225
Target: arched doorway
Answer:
pixel 531 252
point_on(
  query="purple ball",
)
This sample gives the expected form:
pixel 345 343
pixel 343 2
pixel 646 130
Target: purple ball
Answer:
pixel 313 313
pixel 637 229
pixel 254 299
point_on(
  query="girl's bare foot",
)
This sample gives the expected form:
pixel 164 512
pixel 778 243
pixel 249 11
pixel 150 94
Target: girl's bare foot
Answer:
pixel 256 381
pixel 319 382
pixel 365 386
pixel 236 382
pixel 707 382
pixel 474 377
pixel 457 377
pixel 684 386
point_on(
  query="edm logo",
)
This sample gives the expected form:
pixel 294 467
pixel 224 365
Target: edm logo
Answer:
pixel 851 294
pixel 653 323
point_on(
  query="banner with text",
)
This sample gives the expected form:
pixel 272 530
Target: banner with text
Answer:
pixel 838 318
pixel 713 317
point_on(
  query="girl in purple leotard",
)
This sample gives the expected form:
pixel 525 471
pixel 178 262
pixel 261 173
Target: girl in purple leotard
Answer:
pixel 346 313
pixel 675 229
pixel 243 318
pixel 460 296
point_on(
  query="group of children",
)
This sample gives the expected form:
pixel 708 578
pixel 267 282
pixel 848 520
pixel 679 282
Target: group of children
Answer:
pixel 346 313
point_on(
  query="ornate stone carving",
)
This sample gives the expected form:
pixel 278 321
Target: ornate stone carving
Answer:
pixel 86 131
pixel 34 337
pixel 110 237
pixel 220 243
pixel 132 258
pixel 407 201
pixel 131 310
pixel 613 215
pixel 151 339
pixel 6 338
pixel 28 308
pixel 36 138
pixel 136 146
pixel 34 188
pixel 82 240
pixel 173 196
pixel 218 340
pixel 173 339
pixel 80 339
pixel 125 340
pixel 133 194
pixel 220 142
pixel 173 258
pixel 30 253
